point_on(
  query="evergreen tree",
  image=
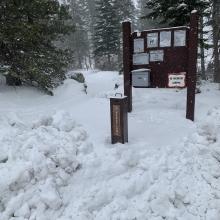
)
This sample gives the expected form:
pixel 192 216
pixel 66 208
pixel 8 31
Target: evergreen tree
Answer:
pixel 146 22
pixel 175 12
pixel 27 50
pixel 106 34
pixel 80 40
pixel 125 10
pixel 107 30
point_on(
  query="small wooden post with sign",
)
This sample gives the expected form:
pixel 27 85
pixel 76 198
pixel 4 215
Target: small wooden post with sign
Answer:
pixel 119 119
pixel 192 65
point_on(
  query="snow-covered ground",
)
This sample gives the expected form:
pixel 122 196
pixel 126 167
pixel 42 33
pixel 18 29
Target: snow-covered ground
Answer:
pixel 57 162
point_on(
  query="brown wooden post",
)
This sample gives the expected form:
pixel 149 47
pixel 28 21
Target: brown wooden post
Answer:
pixel 119 119
pixel 127 62
pixel 192 65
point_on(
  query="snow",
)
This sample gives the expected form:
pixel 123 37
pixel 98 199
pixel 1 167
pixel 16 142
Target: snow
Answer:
pixel 194 11
pixel 140 70
pixel 57 160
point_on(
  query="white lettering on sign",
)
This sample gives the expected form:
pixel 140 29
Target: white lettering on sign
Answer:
pixel 177 80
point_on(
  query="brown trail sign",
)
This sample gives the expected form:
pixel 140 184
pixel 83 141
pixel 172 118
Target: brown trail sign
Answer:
pixel 164 58
pixel 119 119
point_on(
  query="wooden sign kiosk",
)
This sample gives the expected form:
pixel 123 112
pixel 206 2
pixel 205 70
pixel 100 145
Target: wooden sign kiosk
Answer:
pixel 169 53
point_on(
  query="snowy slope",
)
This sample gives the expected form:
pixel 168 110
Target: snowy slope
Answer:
pixel 54 168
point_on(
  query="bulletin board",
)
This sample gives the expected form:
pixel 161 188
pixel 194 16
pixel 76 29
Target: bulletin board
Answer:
pixel 164 52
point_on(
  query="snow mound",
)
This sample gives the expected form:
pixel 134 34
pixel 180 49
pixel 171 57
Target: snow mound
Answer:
pixel 143 182
pixel 36 162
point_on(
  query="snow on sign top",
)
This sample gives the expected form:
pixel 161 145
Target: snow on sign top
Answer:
pixel 140 70
pixel 194 11
pixel 164 29
pixel 117 96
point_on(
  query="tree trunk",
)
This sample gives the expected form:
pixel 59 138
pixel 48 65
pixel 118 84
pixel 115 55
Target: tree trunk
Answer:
pixel 216 29
pixel 202 51
pixel 109 62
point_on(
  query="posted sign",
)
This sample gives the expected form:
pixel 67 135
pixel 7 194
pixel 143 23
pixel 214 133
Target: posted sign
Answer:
pixel 177 80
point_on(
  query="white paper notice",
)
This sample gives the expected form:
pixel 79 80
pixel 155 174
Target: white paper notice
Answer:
pixel 152 40
pixel 138 45
pixel 179 38
pixel 156 56
pixel 177 80
pixel 140 59
pixel 165 38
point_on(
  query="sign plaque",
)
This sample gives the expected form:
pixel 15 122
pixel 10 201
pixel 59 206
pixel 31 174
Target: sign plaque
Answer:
pixel 156 56
pixel 152 40
pixel 139 45
pixel 119 119
pixel 165 38
pixel 177 80
pixel 179 38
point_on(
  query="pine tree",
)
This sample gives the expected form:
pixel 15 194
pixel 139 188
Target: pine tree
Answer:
pixel 125 10
pixel 106 34
pixel 80 41
pixel 175 12
pixel 107 30
pixel 28 33
pixel 146 22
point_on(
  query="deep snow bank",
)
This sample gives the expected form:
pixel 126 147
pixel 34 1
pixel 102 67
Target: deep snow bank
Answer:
pixel 143 182
pixel 36 162
pixel 168 170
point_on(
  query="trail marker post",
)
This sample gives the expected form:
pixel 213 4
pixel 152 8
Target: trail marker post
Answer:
pixel 119 119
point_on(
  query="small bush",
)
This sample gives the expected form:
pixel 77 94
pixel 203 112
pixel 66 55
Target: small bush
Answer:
pixel 78 77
